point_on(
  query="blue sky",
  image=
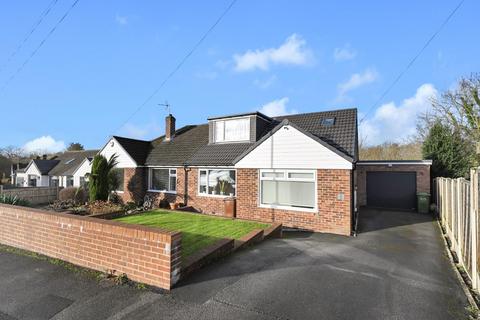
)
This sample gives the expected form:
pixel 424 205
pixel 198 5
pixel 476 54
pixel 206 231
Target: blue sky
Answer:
pixel 107 57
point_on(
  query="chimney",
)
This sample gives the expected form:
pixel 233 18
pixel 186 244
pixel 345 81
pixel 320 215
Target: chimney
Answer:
pixel 44 157
pixel 169 127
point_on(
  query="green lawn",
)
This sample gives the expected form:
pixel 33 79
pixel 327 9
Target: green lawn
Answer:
pixel 198 231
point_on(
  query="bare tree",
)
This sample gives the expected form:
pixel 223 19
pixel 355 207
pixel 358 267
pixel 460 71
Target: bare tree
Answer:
pixel 458 108
pixel 12 153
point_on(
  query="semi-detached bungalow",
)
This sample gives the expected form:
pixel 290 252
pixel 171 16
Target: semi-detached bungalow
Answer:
pixel 65 169
pixel 299 170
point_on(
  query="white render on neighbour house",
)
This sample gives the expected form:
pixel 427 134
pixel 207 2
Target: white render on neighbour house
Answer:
pixel 83 170
pixel 113 147
pixel 32 172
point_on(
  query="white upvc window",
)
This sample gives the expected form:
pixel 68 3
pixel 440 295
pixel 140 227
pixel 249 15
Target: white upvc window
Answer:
pixel 162 180
pixel 217 182
pixel 231 130
pixel 288 189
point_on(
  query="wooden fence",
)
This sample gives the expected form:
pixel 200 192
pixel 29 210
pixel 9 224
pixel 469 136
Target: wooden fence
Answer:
pixel 457 203
pixel 34 195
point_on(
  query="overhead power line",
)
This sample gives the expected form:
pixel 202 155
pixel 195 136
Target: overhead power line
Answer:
pixel 412 61
pixel 29 34
pixel 34 52
pixel 179 65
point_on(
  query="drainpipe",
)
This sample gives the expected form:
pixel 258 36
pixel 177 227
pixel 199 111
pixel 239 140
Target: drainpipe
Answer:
pixel 354 199
pixel 185 185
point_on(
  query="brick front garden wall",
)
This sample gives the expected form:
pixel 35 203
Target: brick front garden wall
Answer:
pixel 144 254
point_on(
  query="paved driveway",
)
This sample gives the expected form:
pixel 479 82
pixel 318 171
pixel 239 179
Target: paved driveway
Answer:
pixel 395 269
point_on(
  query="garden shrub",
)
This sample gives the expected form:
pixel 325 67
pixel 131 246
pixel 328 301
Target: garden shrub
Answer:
pixel 103 207
pixel 13 200
pixel 77 195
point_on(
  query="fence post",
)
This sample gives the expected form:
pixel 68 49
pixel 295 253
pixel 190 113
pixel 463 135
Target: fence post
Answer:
pixel 460 218
pixel 473 225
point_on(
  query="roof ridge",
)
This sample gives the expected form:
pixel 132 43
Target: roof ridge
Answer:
pixel 315 112
pixel 126 138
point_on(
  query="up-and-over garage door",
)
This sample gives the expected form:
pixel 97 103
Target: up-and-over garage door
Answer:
pixel 396 190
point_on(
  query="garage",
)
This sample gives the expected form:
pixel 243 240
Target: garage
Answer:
pixel 389 189
pixel 391 184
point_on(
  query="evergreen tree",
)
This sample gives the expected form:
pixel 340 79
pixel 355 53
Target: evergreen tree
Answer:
pixel 98 184
pixel 75 146
pixel 451 154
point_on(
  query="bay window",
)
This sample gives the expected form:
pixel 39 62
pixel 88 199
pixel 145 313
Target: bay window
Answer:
pixel 162 180
pixel 230 130
pixel 221 182
pixel 288 188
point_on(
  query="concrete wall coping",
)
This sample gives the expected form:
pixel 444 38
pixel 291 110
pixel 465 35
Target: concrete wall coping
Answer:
pixel 94 220
pixel 395 162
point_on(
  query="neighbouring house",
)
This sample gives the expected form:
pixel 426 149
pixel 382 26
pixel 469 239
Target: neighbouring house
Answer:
pixel 300 170
pixel 17 175
pixel 58 170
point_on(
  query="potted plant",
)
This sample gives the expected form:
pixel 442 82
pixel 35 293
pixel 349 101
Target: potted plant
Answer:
pixel 223 183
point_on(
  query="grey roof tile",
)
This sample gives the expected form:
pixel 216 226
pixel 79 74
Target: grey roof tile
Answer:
pixel 185 143
pixel 45 166
pixel 137 149
pixel 69 161
pixel 190 144
pixel 218 154
pixel 342 135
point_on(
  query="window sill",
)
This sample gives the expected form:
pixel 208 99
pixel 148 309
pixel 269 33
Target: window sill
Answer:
pixel 206 195
pixel 162 191
pixel 314 210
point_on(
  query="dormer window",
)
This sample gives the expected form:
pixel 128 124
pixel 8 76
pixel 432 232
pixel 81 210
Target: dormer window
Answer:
pixel 231 130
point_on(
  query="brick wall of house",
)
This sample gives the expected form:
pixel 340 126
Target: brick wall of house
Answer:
pixel 144 254
pixel 201 203
pixel 334 215
pixel 177 197
pixel 134 185
pixel 423 177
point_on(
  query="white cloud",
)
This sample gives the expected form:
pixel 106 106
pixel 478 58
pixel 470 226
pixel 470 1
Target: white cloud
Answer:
pixel 44 144
pixel 121 20
pixel 345 53
pixel 357 80
pixel 292 52
pixel 277 108
pixel 394 123
pixel 264 84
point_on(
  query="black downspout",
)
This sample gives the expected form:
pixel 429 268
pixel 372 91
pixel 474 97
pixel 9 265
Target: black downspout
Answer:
pixel 185 185
pixel 354 200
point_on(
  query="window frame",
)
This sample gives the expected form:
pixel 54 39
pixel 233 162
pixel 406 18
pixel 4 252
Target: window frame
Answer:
pixel 71 179
pixel 123 180
pixel 286 178
pixel 214 131
pixel 170 175
pixel 206 194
